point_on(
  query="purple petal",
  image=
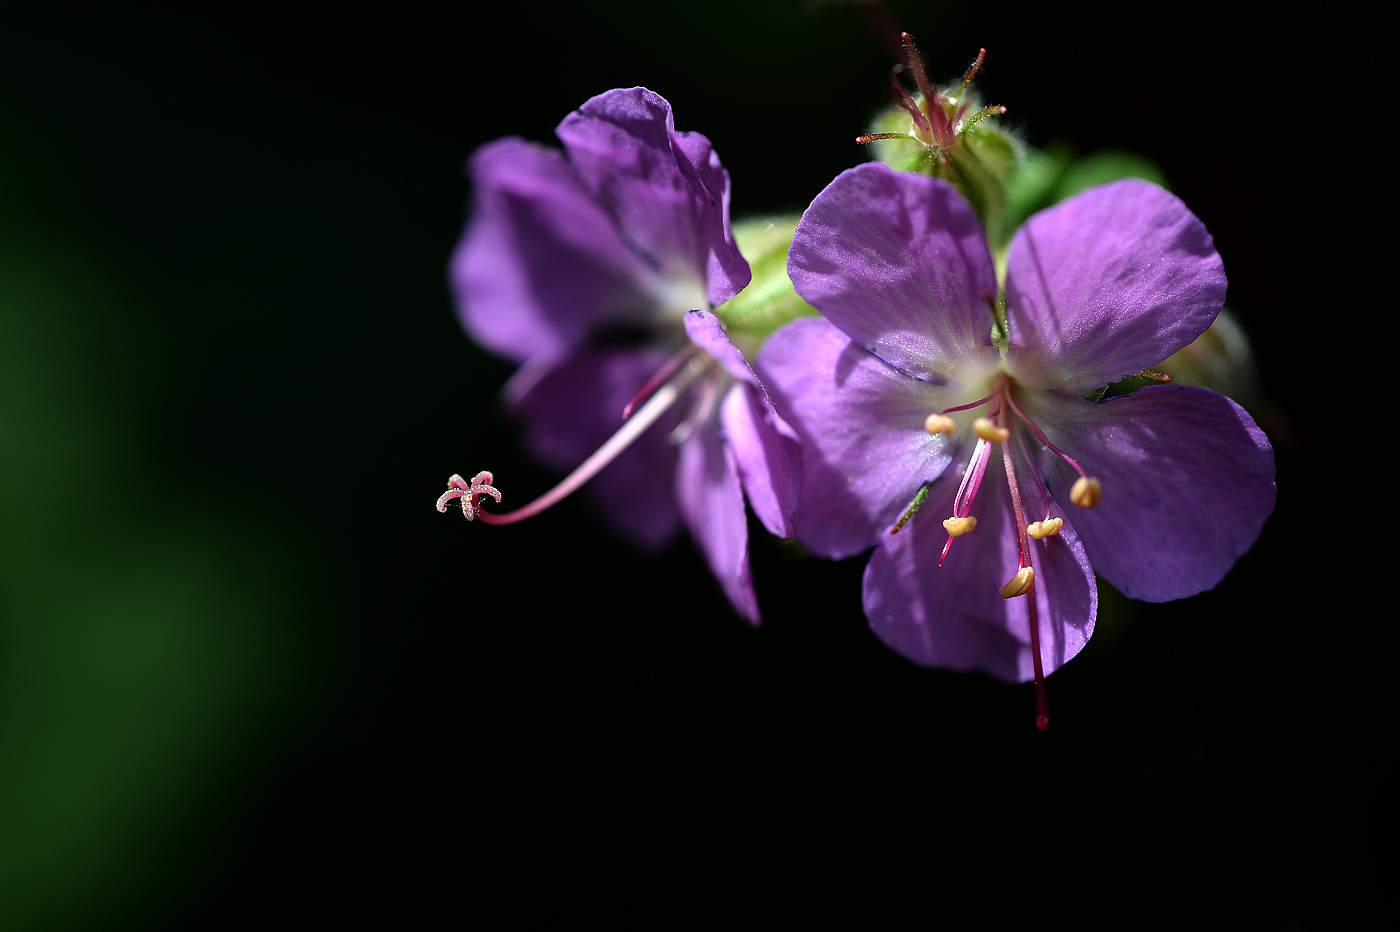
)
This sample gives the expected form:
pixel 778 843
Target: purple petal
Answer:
pixel 899 262
pixel 570 409
pixel 768 454
pixel 666 190
pixel 706 332
pixel 952 615
pixel 767 449
pixel 1188 480
pixel 540 262
pixel 1107 283
pixel 865 452
pixel 712 503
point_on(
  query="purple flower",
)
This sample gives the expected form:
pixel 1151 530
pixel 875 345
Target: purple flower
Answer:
pixel 955 439
pixel 596 268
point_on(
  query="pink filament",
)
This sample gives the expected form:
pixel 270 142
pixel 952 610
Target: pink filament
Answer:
pixel 1035 472
pixel 971 404
pixel 660 401
pixel 667 369
pixel 1040 435
pixel 976 469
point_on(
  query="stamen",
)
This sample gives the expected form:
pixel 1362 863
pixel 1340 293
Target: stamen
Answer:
pixel 989 431
pixel 699 410
pixel 1039 480
pixel 874 136
pixel 1023 583
pixel 1019 584
pixel 665 372
pixel 658 404
pixel 1043 529
pixel 971 404
pixel 967 491
pixel 957 527
pixel 976 468
pixel 1040 435
pixel 1023 547
pixel 939 424
pixel 1086 492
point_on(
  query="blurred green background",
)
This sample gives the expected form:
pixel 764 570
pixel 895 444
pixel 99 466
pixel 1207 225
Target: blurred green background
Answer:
pixel 247 671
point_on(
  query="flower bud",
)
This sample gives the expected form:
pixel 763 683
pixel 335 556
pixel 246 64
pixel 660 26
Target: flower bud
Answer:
pixel 945 133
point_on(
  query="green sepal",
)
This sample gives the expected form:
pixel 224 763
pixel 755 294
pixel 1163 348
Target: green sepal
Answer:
pixel 769 300
pixel 980 163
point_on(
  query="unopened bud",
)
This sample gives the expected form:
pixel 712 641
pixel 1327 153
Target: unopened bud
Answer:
pixel 1043 529
pixel 1086 492
pixel 939 424
pixel 1019 584
pixel 956 527
pixel 989 431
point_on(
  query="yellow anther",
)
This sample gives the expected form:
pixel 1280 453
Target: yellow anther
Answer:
pixel 956 527
pixel 1086 492
pixel 1019 584
pixel 939 424
pixel 1047 528
pixel 989 431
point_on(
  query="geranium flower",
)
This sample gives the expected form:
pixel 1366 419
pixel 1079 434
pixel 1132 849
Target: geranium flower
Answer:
pixel 597 268
pixel 956 440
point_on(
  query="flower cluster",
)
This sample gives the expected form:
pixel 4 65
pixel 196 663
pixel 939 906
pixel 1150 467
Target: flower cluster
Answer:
pixel 945 408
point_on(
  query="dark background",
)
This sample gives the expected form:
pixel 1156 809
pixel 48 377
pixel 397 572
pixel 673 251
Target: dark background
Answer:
pixel 247 673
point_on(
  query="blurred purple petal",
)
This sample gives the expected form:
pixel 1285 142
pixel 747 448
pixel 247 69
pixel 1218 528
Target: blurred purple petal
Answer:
pixel 666 190
pixel 540 262
pixel 712 503
pixel 768 454
pixel 766 447
pixel 564 424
